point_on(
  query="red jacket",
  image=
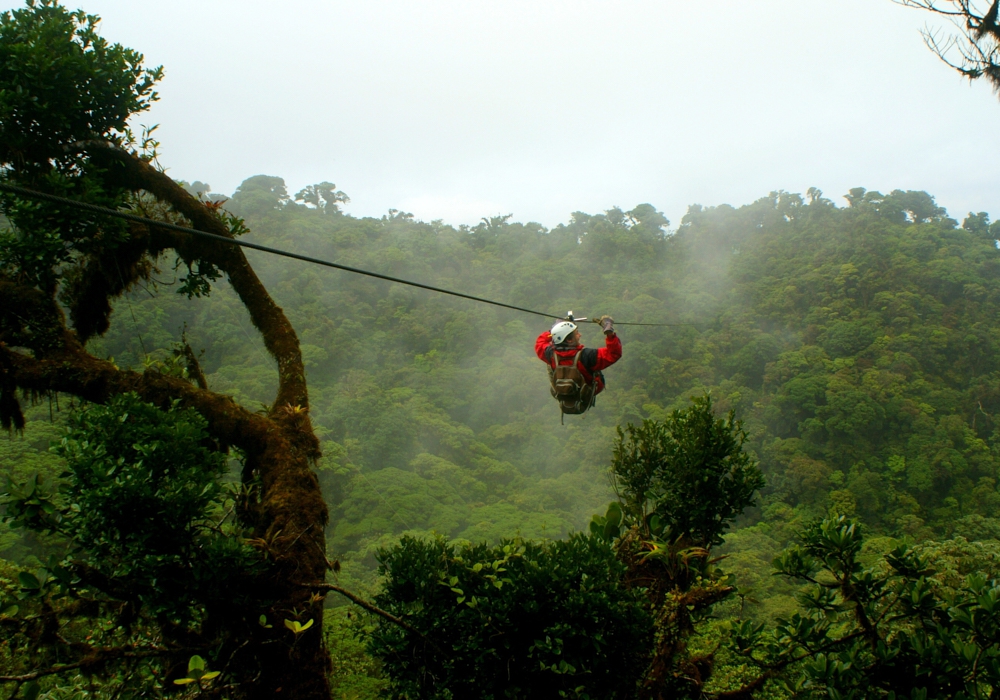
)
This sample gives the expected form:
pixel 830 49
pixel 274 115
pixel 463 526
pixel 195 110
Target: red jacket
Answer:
pixel 591 361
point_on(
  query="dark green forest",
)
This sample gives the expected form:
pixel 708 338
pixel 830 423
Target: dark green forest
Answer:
pixel 855 343
pixel 230 474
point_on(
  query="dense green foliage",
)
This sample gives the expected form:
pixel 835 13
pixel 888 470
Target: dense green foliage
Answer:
pixel 142 489
pixel 108 82
pixel 891 630
pixel 150 556
pixel 607 615
pixel 62 85
pixel 519 619
pixel 685 478
pixel 882 406
pixel 896 628
pixel 856 344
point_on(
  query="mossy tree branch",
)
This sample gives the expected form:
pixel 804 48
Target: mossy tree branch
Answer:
pixel 277 332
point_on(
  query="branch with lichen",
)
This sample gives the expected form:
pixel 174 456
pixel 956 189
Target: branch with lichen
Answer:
pixel 278 334
pixel 977 41
pixel 74 371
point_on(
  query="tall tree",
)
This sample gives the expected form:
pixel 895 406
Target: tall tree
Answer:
pixel 66 96
pixel 680 483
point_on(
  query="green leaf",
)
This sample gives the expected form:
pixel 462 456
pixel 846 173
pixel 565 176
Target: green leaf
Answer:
pixel 196 663
pixel 28 580
pixel 614 514
pixel 297 627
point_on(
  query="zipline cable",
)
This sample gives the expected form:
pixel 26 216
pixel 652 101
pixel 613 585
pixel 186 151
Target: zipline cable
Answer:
pixel 33 194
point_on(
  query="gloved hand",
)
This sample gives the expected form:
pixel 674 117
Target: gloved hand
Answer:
pixel 608 324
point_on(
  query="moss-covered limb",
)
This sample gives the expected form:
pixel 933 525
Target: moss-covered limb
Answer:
pixel 97 658
pixel 290 522
pixel 290 525
pixel 671 665
pixel 193 366
pixel 279 336
pixel 73 371
pixel 103 277
pixel 112 587
pixel 289 513
pixel 91 261
pixel 30 318
pixel 290 516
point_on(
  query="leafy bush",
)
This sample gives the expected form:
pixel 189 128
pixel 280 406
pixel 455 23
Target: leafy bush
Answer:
pixel 680 483
pixel 140 485
pixel 518 620
pixel 892 630
pixel 155 568
pixel 686 477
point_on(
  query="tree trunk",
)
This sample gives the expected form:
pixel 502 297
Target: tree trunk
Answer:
pixel 288 515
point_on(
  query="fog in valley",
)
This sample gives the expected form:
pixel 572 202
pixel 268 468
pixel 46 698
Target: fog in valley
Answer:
pixel 234 474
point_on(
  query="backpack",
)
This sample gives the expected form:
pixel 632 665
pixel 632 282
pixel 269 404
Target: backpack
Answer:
pixel 574 394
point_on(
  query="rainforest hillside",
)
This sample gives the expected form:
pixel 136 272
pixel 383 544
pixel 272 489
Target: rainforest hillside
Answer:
pixel 857 343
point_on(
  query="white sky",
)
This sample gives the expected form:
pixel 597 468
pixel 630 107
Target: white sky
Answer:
pixel 459 109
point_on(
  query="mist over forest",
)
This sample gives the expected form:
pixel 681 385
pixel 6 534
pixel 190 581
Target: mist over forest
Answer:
pixel 232 474
pixel 854 342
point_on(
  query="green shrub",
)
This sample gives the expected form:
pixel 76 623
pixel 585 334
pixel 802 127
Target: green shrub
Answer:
pixel 518 620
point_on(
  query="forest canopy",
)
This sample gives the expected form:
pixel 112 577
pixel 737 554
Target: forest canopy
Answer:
pixel 854 342
pixel 206 442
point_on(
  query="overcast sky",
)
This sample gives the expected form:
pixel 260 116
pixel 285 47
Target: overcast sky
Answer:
pixel 457 110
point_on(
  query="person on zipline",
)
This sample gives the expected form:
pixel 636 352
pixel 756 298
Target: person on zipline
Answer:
pixel 574 371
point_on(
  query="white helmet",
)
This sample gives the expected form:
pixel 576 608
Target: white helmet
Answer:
pixel 561 331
